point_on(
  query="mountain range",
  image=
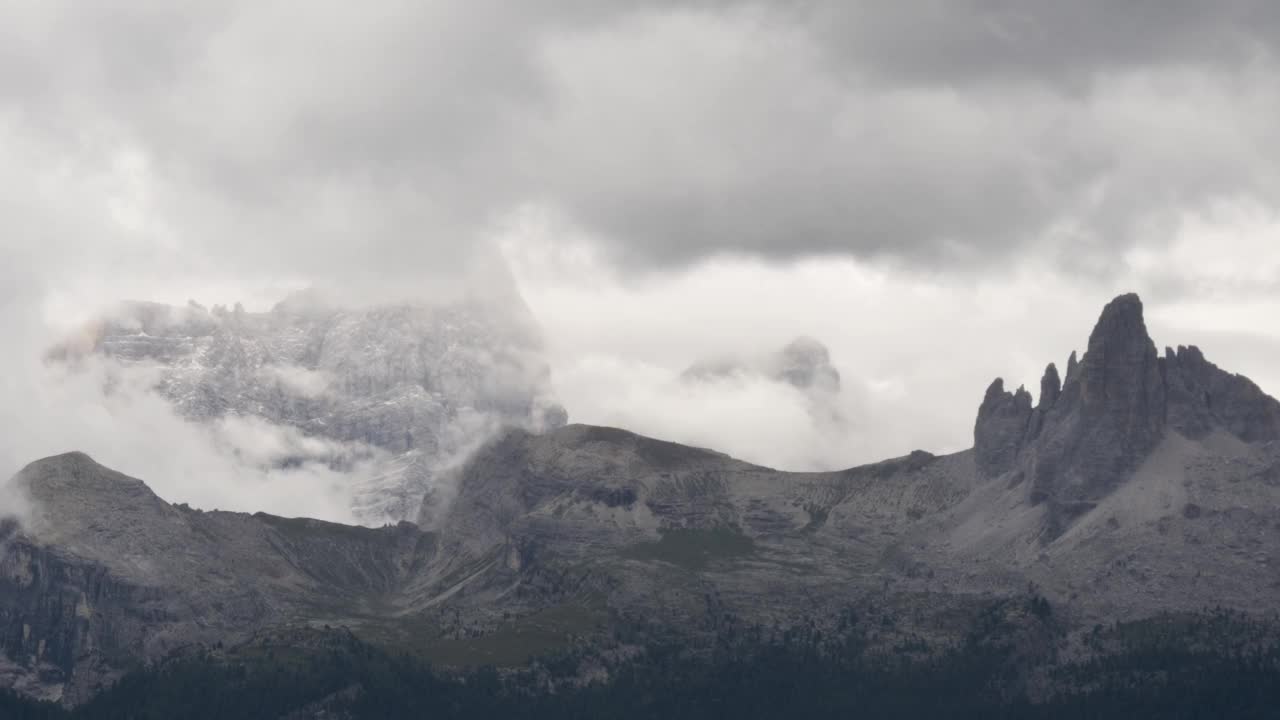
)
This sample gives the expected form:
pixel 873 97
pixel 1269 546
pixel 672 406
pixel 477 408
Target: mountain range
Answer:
pixel 1137 484
pixel 406 388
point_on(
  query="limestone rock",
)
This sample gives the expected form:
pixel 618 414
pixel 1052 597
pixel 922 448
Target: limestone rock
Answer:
pixel 1050 388
pixel 1202 397
pixel 1001 428
pixel 415 383
pixel 1118 402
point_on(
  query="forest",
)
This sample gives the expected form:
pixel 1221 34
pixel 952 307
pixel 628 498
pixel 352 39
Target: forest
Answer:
pixel 1211 665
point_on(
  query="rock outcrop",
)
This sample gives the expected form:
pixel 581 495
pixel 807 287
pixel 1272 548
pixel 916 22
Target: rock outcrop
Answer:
pixel 1004 420
pixel 1203 397
pixel 106 574
pixel 1117 404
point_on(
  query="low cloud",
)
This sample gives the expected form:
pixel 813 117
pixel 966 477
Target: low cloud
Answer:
pixel 240 464
pixel 940 192
pixel 914 351
pixel 748 415
pixel 299 381
pixel 201 145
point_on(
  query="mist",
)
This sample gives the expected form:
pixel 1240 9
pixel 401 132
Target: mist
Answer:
pixel 661 184
pixel 113 414
pixel 915 350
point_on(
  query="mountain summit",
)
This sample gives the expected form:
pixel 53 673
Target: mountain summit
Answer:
pixel 1116 406
pixel 404 389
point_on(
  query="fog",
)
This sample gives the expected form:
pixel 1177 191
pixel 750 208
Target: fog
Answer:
pixel 663 184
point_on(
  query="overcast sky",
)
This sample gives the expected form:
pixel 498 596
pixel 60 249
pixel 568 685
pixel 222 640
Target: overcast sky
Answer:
pixel 940 192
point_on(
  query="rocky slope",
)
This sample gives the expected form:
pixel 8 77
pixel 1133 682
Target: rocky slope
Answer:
pixel 409 387
pixel 1136 484
pixel 106 575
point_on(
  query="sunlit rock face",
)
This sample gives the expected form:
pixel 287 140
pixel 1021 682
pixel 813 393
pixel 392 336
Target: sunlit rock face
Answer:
pixel 405 388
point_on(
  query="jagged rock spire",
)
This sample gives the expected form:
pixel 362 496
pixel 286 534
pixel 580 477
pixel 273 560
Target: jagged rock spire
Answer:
pixel 1121 389
pixel 1073 366
pixel 1001 427
pixel 1086 435
pixel 1050 387
pixel 1118 401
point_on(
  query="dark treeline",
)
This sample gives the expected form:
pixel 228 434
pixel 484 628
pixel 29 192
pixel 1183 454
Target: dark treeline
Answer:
pixel 1160 669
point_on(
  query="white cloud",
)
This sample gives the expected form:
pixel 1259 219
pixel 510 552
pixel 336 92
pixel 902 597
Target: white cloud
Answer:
pixel 111 413
pixel 915 350
pixel 1022 170
pixel 299 381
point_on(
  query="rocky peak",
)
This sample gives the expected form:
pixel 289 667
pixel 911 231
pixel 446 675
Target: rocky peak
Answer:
pixel 1122 395
pixel 806 363
pixel 74 473
pixel 1073 366
pixel 73 498
pixel 1202 397
pixel 1001 428
pixel 1091 431
pixel 1050 387
pixel 1086 436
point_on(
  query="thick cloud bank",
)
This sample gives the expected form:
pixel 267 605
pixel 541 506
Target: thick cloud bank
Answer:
pixel 940 192
pixel 373 143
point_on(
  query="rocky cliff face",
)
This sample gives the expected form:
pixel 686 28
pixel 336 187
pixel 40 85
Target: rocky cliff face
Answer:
pixel 418 384
pixel 1086 438
pixel 1137 485
pixel 106 575
pixel 1004 420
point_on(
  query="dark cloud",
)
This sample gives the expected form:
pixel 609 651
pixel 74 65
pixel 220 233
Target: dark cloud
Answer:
pixel 967 42
pixel 936 133
pixel 321 139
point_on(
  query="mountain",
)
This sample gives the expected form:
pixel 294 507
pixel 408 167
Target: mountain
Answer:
pixel 408 386
pixel 106 574
pixel 1116 407
pixel 1138 485
pixel 804 363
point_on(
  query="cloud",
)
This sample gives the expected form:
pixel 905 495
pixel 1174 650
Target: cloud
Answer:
pixel 111 412
pixel 299 381
pixel 941 192
pixel 242 464
pixel 1038 41
pixel 914 350
pixel 765 145
pixel 283 143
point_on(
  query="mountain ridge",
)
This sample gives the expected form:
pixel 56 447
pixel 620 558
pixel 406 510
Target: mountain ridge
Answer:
pixel 400 390
pixel 1136 485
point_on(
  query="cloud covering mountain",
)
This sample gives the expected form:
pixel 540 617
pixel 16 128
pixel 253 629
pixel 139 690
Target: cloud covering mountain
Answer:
pixel 667 181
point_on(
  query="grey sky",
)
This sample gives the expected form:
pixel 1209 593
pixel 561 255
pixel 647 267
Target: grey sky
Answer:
pixel 288 134
pixel 987 155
